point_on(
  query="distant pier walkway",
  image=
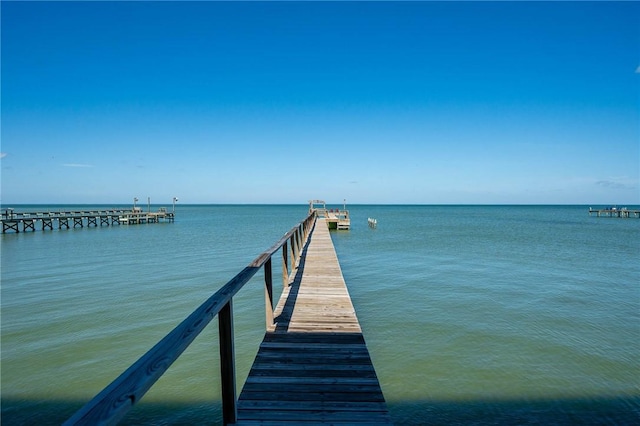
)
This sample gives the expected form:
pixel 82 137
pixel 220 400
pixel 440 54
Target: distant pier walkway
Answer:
pixel 30 221
pixel 614 212
pixel 313 366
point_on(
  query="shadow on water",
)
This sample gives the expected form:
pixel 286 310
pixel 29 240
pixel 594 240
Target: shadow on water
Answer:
pixel 55 412
pixel 604 411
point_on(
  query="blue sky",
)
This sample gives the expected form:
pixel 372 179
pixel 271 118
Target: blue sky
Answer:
pixel 415 102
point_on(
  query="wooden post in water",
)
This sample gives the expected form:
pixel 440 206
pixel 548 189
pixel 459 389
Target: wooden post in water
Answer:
pixel 227 364
pixel 28 224
pixel 47 223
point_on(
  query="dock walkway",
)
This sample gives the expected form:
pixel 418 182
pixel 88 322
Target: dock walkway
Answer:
pixel 615 212
pixel 313 366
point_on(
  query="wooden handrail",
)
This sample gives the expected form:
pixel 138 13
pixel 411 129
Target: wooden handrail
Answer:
pixel 113 402
pixel 11 214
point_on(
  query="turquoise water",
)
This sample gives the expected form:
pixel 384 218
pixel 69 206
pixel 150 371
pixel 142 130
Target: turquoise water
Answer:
pixel 472 314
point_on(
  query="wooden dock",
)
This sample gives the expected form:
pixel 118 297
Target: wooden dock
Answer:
pixel 30 221
pixel 614 212
pixel 335 218
pixel 313 366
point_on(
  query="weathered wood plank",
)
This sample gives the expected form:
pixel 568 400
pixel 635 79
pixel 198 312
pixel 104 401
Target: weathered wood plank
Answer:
pixel 311 415
pixel 370 390
pixel 318 358
pixel 330 405
pixel 311 422
pixel 337 338
pixel 311 380
pixel 309 396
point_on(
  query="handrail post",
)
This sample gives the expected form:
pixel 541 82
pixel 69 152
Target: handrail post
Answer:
pixel 227 364
pixel 296 236
pixel 294 251
pixel 268 293
pixel 308 224
pixel 285 265
pixel 296 248
pixel 291 255
pixel 305 228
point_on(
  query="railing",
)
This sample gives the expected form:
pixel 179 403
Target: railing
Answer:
pixel 10 214
pixel 114 401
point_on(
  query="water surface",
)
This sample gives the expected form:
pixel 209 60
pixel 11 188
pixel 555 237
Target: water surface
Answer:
pixel 472 314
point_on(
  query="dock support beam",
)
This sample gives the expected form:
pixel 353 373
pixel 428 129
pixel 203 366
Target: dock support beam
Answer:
pixel 10 225
pixel 28 224
pixel 227 365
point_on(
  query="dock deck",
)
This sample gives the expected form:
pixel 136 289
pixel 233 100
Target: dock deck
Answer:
pixel 334 218
pixel 313 366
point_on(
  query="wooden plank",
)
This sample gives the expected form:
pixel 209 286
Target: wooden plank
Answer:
pixel 310 380
pixel 310 423
pixel 313 365
pixel 371 391
pixel 313 415
pixel 335 405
